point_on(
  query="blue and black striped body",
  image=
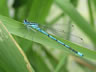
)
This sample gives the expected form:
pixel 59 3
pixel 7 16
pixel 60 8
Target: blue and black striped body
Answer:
pixel 36 27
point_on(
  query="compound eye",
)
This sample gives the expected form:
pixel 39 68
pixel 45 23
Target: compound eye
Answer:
pixel 25 20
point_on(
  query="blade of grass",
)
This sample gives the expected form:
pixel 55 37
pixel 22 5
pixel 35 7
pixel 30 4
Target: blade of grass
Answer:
pixel 13 26
pixel 90 13
pixel 69 30
pixel 56 19
pixel 51 57
pixel 74 2
pixel 39 10
pixel 21 9
pixel 61 64
pixel 94 2
pixel 24 43
pixel 38 59
pixel 12 58
pixel 4 8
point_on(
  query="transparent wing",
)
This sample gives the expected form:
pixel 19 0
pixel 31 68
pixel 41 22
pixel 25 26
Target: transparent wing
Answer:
pixel 59 31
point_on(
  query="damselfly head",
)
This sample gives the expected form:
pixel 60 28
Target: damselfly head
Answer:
pixel 25 22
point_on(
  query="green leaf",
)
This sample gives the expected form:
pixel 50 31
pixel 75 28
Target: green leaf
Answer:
pixel 24 43
pixel 94 2
pixel 12 58
pixel 15 28
pixel 4 8
pixel 91 13
pixel 37 60
pixel 39 10
pixel 74 2
pixel 18 3
pixel 21 8
pixel 62 65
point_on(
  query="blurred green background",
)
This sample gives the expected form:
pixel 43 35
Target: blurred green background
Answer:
pixel 71 21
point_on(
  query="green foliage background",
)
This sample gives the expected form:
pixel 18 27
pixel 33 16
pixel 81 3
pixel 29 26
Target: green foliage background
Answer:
pixel 23 51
